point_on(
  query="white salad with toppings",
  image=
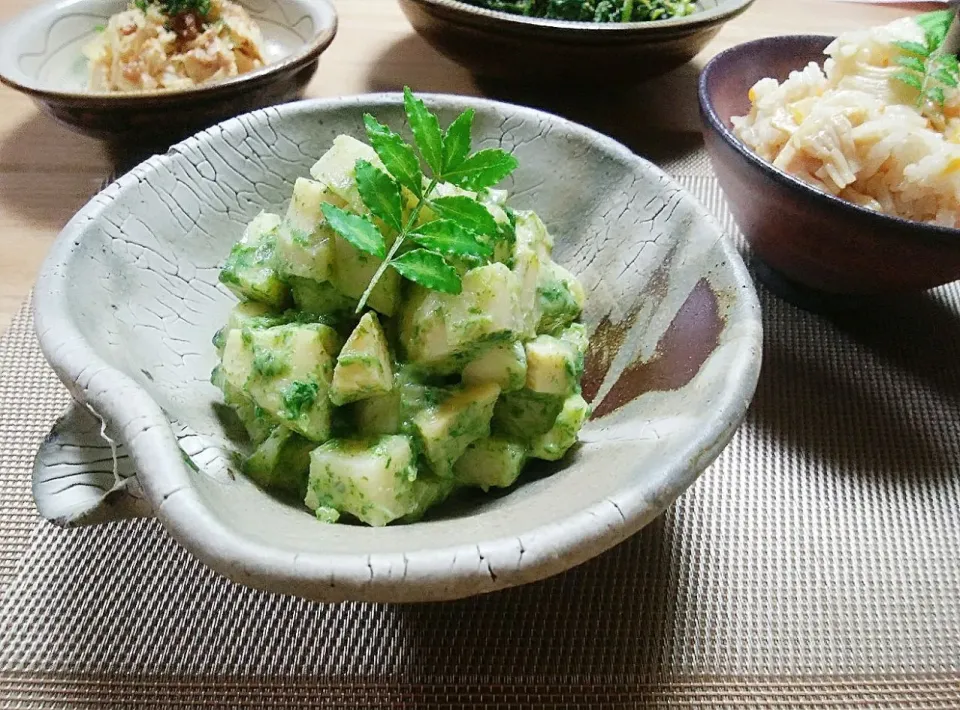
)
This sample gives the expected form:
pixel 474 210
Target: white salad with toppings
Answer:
pixel 401 331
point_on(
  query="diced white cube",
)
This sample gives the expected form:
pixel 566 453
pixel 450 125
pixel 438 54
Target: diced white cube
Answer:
pixel 447 429
pixel 364 368
pixel 505 365
pixel 374 480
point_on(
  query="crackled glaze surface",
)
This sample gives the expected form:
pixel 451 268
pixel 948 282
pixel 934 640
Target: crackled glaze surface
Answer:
pixel 128 301
pixel 41 53
pixel 50 52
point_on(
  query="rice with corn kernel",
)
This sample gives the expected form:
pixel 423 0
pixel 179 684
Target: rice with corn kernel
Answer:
pixel 853 130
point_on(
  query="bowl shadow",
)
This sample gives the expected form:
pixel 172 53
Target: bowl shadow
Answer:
pixel 876 397
pixel 414 63
pixel 663 105
pixel 612 616
pixel 49 172
pixel 917 333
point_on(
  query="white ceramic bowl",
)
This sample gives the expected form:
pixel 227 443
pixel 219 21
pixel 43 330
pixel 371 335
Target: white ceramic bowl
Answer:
pixel 128 300
pixel 41 54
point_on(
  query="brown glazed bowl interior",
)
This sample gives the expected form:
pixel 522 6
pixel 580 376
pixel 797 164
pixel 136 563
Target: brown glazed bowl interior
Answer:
pixel 521 49
pixel 805 238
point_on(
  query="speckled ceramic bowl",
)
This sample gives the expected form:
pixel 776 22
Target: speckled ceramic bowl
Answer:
pixel 813 248
pixel 41 54
pixel 527 49
pixel 128 300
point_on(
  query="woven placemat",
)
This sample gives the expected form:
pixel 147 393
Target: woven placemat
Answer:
pixel 815 564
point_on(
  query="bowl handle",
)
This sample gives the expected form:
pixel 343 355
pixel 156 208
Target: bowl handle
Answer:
pixel 83 476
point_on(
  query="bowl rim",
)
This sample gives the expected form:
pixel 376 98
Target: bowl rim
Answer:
pixel 507 20
pixel 323 36
pixel 128 409
pixel 934 232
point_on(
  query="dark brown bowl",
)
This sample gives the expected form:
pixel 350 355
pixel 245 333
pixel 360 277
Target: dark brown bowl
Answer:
pixel 527 49
pixel 808 237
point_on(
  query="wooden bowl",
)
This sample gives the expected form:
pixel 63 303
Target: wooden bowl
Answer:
pixel 808 240
pixel 41 55
pixel 527 49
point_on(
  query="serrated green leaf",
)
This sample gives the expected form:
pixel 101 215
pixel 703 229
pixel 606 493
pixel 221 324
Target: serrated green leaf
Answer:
pixel 949 62
pixel 449 237
pixel 469 213
pixel 484 168
pixel 426 131
pixel 380 193
pixel 359 231
pixel 916 48
pixel 946 77
pixel 456 141
pixel 912 63
pixel 428 269
pixel 935 95
pixel 935 26
pixel 910 79
pixel 397 155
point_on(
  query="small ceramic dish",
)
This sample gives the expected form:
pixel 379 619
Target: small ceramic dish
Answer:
pixel 528 49
pixel 813 247
pixel 41 54
pixel 128 300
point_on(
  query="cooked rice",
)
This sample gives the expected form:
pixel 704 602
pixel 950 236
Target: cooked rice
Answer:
pixel 852 130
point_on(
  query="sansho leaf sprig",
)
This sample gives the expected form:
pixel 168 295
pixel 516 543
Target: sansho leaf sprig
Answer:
pixel 464 228
pixel 927 66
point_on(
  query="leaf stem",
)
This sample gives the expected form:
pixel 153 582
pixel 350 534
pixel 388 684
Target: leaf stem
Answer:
pixel 398 242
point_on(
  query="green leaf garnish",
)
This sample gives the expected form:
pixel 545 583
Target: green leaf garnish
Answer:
pixel 913 63
pixel 950 62
pixel 935 95
pixel 946 77
pixel 359 231
pixel 463 228
pixel 927 68
pixel 910 79
pixel 935 26
pixel 426 131
pixel 456 141
pixel 470 213
pixel 99 28
pixel 397 155
pixel 428 269
pixel 171 8
pixel 916 48
pixel 381 194
pixel 449 237
pixel 484 168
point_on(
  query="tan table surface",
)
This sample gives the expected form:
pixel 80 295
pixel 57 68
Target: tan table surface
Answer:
pixel 47 172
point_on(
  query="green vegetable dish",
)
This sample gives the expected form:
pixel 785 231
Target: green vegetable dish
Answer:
pixel 593 10
pixel 402 332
